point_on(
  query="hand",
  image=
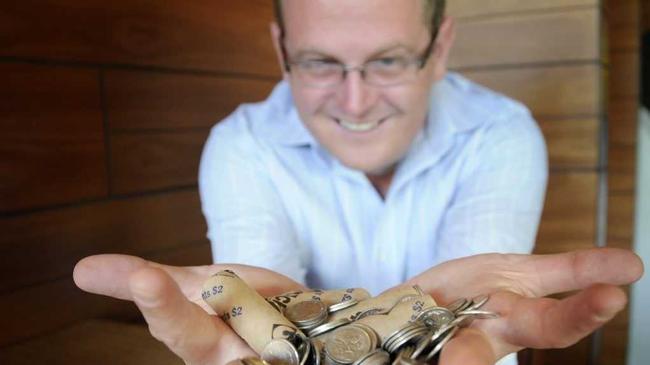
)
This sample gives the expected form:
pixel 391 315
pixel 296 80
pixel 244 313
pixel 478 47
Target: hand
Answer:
pixel 517 285
pixel 170 300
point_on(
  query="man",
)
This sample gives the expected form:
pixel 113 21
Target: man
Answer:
pixel 369 164
pixel 365 168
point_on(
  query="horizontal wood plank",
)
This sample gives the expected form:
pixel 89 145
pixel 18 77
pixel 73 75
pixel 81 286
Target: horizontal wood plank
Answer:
pixel 152 161
pixel 530 38
pixel 40 309
pixel 148 100
pixel 43 246
pixel 550 92
pixel 224 36
pixel 569 217
pixel 472 8
pixel 571 142
pixel 97 342
pixel 51 136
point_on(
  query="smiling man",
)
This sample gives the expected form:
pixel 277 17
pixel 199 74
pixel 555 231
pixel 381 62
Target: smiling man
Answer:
pixel 369 163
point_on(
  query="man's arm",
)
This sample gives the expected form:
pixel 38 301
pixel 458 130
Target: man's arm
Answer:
pixel 246 219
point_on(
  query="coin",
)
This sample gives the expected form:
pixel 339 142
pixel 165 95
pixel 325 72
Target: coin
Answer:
pixel 479 301
pixel 306 314
pixel 480 314
pixel 280 352
pixel 435 317
pixel 348 344
pixel 342 305
pixel 329 326
pixel 376 357
pixel 459 305
pixel 442 343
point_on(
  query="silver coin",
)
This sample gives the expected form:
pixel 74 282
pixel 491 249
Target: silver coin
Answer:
pixel 410 336
pixel 479 301
pixel 458 305
pixel 348 344
pixel 435 317
pixel 479 314
pixel 440 344
pixel 374 338
pixel 280 352
pixel 306 313
pixel 253 361
pixel 376 357
pixel 329 326
pixel 342 305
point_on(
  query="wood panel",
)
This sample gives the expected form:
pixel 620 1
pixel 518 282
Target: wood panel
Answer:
pixel 471 8
pixel 51 136
pixel 154 161
pixel 571 142
pixel 148 100
pixel 624 74
pixel 53 241
pixel 569 217
pixel 227 36
pixel 622 166
pixel 622 116
pixel 39 309
pixel 529 38
pixel 622 24
pixel 550 92
pixel 97 342
pixel 620 218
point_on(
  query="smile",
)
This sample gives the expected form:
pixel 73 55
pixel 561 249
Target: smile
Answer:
pixel 359 127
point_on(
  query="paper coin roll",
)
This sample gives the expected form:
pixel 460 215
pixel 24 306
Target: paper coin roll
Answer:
pixel 246 311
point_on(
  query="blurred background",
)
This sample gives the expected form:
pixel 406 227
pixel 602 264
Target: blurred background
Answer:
pixel 105 105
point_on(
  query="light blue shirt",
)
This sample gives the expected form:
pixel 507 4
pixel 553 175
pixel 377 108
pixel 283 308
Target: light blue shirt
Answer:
pixel 472 182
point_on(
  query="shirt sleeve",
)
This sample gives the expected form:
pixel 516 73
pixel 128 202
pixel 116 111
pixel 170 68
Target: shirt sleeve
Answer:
pixel 498 201
pixel 247 222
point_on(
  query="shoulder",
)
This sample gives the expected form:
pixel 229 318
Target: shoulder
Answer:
pixel 473 107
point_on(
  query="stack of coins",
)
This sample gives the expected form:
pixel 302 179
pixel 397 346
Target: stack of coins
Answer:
pixel 339 327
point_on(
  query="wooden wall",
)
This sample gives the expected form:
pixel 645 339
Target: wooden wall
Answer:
pixel 574 63
pixel 104 107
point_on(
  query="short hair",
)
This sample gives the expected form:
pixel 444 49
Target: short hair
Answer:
pixel 433 13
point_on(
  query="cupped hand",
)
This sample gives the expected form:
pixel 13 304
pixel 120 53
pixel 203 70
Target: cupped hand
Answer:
pixel 170 300
pixel 518 286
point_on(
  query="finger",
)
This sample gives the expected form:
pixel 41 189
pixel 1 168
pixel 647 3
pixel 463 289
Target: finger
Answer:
pixel 552 323
pixel 108 275
pixel 180 324
pixel 468 347
pixel 579 269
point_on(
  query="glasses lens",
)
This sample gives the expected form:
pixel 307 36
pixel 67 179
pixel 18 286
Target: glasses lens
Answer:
pixel 319 73
pixel 390 71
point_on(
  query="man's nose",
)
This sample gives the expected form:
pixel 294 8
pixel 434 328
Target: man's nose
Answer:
pixel 355 96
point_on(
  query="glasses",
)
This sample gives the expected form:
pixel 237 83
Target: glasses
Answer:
pixel 385 71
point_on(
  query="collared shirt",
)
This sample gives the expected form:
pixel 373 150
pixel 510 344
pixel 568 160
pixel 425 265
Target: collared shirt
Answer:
pixel 472 182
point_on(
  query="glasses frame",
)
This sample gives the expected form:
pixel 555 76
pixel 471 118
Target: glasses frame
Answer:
pixel 421 60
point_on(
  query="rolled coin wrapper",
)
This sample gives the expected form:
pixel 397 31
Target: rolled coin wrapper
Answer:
pixel 381 303
pixel 404 312
pixel 246 311
pixel 328 297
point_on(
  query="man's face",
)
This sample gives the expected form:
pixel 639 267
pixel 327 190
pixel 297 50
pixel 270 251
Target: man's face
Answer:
pixel 366 127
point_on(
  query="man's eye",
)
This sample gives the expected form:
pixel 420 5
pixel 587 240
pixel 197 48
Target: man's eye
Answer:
pixel 317 64
pixel 388 62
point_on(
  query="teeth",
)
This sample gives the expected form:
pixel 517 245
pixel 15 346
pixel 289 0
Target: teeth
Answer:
pixel 358 127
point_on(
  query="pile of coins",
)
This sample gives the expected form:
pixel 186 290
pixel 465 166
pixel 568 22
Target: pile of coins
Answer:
pixel 339 327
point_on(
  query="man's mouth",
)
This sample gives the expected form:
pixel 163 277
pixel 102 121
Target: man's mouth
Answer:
pixel 359 127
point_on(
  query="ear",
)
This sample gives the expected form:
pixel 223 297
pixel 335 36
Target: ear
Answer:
pixel 275 36
pixel 443 45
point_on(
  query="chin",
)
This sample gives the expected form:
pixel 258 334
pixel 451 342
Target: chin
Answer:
pixel 368 167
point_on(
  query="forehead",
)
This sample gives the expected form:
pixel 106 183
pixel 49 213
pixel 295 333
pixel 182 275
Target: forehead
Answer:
pixel 358 25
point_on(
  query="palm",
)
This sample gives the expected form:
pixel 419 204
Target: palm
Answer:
pixel 518 285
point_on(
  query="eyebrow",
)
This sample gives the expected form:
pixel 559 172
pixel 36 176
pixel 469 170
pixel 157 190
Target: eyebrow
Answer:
pixel 316 53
